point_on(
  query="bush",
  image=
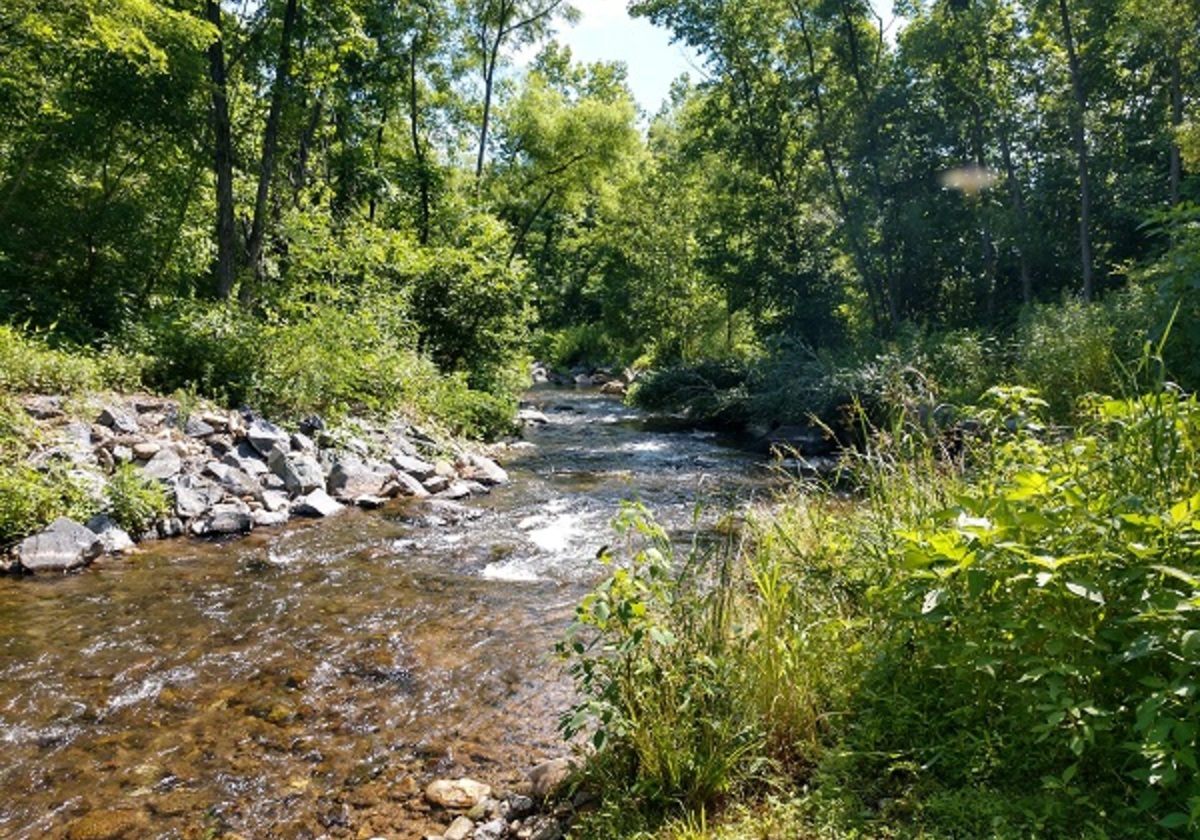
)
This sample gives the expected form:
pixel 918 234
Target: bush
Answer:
pixel 35 498
pixel 712 392
pixel 655 662
pixel 1034 628
pixel 1069 350
pixel 134 501
pixel 29 364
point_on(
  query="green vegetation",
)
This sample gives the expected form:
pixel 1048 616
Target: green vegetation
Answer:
pixel 1001 646
pixel 366 207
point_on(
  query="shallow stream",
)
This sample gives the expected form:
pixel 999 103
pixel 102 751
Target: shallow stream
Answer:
pixel 309 681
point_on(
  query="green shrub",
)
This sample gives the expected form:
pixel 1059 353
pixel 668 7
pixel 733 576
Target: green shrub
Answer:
pixel 29 364
pixel 1040 626
pixel 134 501
pixel 35 498
pixel 470 413
pixel 654 660
pixel 1069 350
pixel 711 392
pixel 214 348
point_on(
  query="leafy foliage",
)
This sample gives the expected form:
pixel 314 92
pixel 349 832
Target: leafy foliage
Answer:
pixel 134 501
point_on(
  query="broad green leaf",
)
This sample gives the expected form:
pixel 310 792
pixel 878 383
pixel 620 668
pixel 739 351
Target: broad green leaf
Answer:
pixel 1175 820
pixel 1087 591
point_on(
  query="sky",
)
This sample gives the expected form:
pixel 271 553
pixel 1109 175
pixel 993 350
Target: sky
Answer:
pixel 605 32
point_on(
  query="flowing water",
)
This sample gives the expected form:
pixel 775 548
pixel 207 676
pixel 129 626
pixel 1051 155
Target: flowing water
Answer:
pixel 309 681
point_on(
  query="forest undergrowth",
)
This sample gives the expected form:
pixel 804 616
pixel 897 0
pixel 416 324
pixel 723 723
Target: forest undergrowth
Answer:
pixel 990 635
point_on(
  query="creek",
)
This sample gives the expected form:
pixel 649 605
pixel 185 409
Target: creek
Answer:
pixel 309 681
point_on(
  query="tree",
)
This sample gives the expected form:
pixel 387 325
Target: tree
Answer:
pixel 495 24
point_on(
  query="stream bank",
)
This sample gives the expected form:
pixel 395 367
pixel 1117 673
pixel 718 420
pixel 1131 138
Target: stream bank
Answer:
pixel 311 680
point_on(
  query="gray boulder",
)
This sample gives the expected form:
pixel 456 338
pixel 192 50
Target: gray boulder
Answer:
pixel 45 407
pixel 412 465
pixel 300 473
pixel 118 420
pixel 235 481
pixel 169 528
pixel 194 495
pixel 303 443
pixel 165 465
pixel 350 477
pixel 316 504
pixel 410 486
pixel 229 518
pixel 146 449
pixel 264 437
pixel 532 417
pixel 271 518
pixel 493 830
pixel 197 428
pixel 275 500
pixel 115 539
pixel 484 470
pixel 63 546
pixel 246 458
pixel 546 778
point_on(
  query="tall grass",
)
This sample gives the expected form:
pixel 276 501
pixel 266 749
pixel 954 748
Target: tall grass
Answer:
pixel 1002 643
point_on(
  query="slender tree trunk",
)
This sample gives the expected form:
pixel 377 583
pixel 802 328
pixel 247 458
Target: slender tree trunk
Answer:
pixel 877 292
pixel 1018 204
pixel 1079 131
pixel 519 242
pixel 300 173
pixel 489 83
pixel 1176 122
pixel 226 267
pixel 283 71
pixel 414 123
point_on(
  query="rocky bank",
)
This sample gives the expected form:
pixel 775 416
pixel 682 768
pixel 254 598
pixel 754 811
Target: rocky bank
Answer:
pixel 229 472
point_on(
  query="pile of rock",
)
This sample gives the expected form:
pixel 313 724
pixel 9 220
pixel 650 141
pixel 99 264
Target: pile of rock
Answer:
pixel 608 381
pixel 229 472
pixel 477 814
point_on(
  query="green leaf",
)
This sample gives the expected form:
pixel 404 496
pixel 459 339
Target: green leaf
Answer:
pixel 1087 591
pixel 1175 820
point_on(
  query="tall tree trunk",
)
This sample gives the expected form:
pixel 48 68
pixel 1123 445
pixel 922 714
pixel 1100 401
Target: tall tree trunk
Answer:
pixel 1079 132
pixel 1176 122
pixel 492 56
pixel 226 268
pixel 414 123
pixel 283 72
pixel 1018 204
pixel 877 291
pixel 304 148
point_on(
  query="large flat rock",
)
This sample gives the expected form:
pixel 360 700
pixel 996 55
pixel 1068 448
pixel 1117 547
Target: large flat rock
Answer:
pixel 63 546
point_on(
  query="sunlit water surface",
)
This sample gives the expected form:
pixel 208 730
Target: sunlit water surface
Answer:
pixel 309 681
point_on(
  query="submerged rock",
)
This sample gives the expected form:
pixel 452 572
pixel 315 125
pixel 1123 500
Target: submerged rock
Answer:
pixel 457 793
pixel 108 825
pixel 461 829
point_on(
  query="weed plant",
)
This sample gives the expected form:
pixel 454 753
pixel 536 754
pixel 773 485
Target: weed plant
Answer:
pixel 1003 643
pixel 134 501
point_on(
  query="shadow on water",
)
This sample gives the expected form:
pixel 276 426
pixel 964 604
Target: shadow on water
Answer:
pixel 309 681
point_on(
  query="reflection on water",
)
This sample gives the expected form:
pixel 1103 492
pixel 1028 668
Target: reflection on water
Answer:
pixel 308 682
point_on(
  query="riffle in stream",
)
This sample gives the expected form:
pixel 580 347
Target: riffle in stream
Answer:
pixel 308 682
